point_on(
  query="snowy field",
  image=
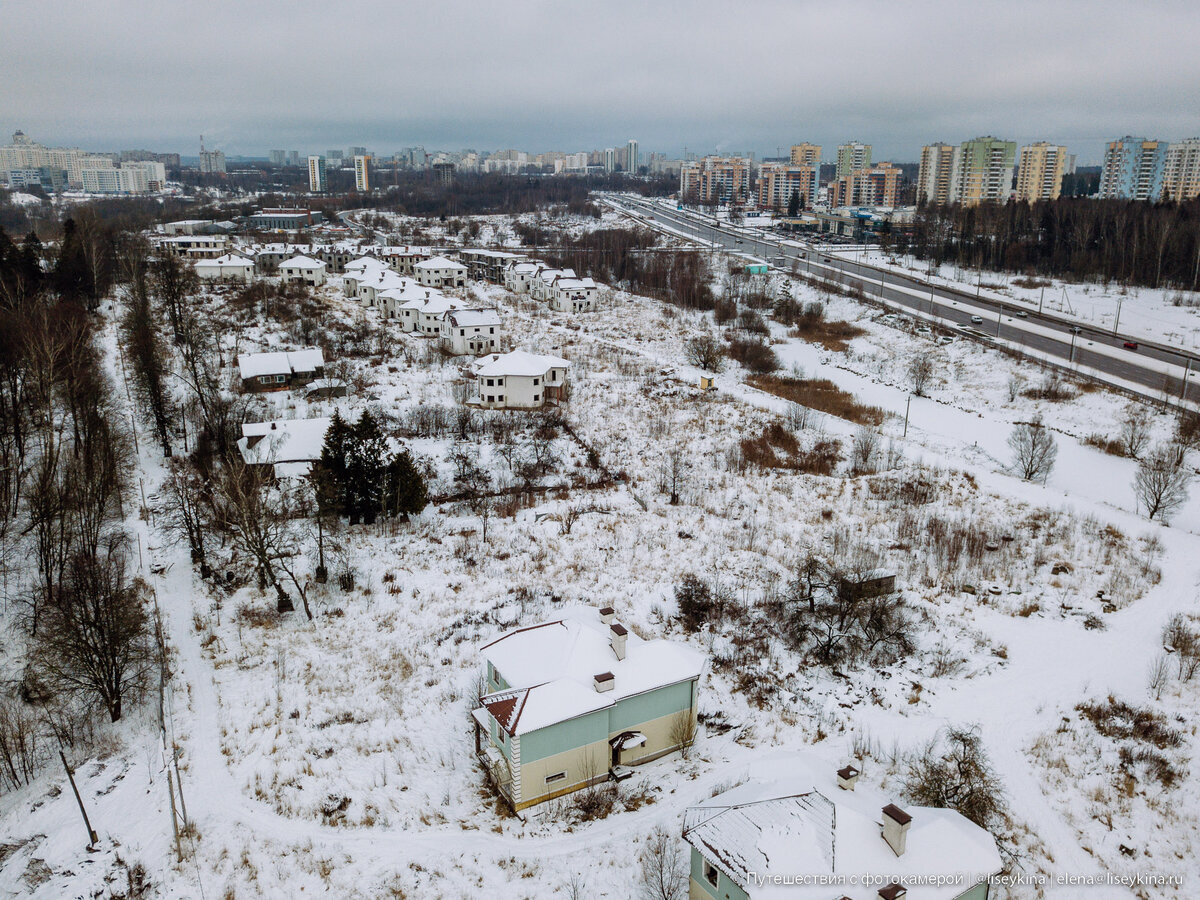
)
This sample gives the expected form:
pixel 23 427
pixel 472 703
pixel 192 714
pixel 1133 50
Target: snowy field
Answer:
pixel 335 757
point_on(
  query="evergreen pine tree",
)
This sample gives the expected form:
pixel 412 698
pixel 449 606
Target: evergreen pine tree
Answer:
pixel 406 491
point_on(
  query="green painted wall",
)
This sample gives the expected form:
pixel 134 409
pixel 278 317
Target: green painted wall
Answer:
pixel 563 736
pixel 978 892
pixel 631 712
pixel 726 889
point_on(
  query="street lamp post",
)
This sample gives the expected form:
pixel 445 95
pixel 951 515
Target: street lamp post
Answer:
pixel 1073 336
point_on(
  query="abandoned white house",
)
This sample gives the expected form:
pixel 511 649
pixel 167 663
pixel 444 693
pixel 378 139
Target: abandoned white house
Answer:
pixel 519 380
pixel 474 331
pixel 280 370
pixel 302 269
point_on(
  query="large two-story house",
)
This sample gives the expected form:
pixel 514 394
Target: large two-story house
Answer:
pixel 579 700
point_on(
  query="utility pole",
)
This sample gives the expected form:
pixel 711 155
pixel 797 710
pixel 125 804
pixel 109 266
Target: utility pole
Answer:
pixel 92 837
pixel 999 316
pixel 1042 300
pixel 1117 322
pixel 1073 336
pixel 907 404
pixel 1186 373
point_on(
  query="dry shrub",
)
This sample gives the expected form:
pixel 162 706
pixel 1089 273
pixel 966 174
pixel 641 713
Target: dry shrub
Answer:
pixel 755 355
pixel 1118 720
pixel 834 336
pixel 820 394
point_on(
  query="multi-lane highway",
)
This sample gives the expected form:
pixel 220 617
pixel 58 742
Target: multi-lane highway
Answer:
pixel 1157 370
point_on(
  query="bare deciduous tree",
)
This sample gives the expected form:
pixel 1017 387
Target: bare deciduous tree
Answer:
pixel 1034 450
pixel 95 640
pixel 1161 481
pixel 664 872
pixel 706 352
pixel 920 370
pixel 953 772
pixel 1135 429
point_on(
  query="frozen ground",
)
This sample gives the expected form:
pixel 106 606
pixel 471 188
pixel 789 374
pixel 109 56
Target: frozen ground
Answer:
pixel 336 757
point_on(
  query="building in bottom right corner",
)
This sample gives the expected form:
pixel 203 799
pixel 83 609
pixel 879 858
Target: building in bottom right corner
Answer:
pixel 798 828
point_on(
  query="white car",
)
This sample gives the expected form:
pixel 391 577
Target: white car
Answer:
pixel 976 320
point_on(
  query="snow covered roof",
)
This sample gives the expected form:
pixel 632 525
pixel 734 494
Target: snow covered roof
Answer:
pixel 575 283
pixel 284 440
pixel 301 262
pixel 434 305
pixel 548 275
pixel 439 262
pixel 252 365
pixel 523 267
pixel 364 264
pixel 473 318
pixel 489 254
pixel 406 250
pixel 791 819
pixel 550 669
pixel 229 260
pixel 519 362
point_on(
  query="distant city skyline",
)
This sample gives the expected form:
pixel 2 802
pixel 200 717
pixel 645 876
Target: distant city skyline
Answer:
pixel 538 77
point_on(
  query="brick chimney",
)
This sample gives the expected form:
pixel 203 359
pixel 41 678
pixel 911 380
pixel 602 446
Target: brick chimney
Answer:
pixel 847 777
pixel 607 613
pixel 603 682
pixel 617 636
pixel 895 827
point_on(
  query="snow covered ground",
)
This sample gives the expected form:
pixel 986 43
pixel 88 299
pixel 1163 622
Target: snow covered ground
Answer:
pixel 336 756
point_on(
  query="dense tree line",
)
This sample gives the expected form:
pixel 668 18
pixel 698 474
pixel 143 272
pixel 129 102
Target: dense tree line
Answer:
pixel 621 256
pixel 64 488
pixel 1128 242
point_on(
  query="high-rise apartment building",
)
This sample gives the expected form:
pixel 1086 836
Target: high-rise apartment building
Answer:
pixel 851 157
pixel 936 174
pixel 1040 172
pixel 25 155
pixel 631 157
pixel 318 181
pixel 1133 169
pixel 212 162
pixel 362 180
pixel 983 171
pixel 806 155
pixel 276 157
pixel 874 186
pixel 610 160
pixel 293 158
pixel 356 151
pixel 715 179
pixel 1181 170
pixel 778 181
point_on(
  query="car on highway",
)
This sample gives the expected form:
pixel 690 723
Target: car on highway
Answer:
pixel 1076 330
pixel 977 320
pixel 1130 345
pixel 1021 314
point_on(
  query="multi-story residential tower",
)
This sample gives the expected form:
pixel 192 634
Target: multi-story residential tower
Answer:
pixel 362 181
pixel 318 181
pixel 1133 169
pixel 631 157
pixel 1181 171
pixel 936 174
pixel 852 157
pixel 276 157
pixel 806 155
pixel 716 178
pixel 983 171
pixel 876 186
pixel 610 160
pixel 778 181
pixel 1040 174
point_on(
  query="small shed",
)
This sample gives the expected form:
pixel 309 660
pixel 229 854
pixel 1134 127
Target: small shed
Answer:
pixel 707 381
pixel 874 583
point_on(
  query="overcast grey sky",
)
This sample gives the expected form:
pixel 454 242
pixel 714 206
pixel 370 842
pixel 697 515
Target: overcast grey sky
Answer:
pixel 539 75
